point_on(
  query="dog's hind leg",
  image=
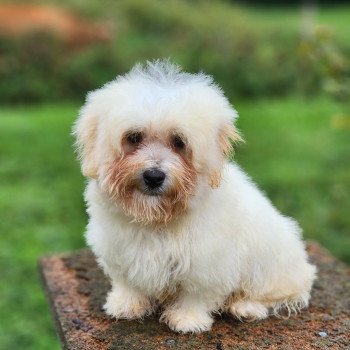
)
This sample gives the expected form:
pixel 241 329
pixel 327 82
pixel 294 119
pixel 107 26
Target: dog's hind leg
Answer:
pixel 248 310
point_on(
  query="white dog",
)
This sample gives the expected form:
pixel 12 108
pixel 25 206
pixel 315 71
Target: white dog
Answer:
pixel 172 223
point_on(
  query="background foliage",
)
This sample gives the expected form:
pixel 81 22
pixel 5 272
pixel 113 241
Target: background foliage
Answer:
pixel 249 55
pixel 286 73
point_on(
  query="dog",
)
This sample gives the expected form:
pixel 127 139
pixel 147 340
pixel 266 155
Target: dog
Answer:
pixel 173 224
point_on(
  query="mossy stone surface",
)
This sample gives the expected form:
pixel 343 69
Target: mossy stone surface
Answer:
pixel 76 289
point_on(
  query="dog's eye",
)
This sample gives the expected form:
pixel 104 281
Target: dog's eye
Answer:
pixel 135 138
pixel 178 143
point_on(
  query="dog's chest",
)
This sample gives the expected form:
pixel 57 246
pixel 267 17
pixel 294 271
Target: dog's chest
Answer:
pixel 155 263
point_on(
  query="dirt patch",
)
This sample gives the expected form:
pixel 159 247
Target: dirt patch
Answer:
pixel 77 288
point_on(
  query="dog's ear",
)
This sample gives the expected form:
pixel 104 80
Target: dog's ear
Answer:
pixel 228 135
pixel 85 131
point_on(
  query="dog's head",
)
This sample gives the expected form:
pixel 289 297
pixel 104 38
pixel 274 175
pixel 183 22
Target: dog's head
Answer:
pixel 154 137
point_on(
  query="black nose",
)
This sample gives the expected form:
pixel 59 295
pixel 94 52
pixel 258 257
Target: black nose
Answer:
pixel 153 178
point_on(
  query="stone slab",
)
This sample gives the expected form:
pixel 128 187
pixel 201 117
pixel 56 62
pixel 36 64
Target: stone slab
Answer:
pixel 76 290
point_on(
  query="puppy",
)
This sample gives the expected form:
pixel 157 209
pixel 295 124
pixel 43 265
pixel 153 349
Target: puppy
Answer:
pixel 172 222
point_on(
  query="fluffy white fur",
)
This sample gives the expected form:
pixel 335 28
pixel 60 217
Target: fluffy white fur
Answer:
pixel 225 247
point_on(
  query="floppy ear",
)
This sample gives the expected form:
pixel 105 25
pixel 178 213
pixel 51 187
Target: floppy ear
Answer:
pixel 85 131
pixel 226 137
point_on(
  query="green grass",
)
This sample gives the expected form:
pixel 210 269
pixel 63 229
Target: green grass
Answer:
pixel 41 212
pixel 292 152
pixel 298 152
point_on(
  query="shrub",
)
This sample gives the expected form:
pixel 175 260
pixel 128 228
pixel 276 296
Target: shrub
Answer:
pixel 39 67
pixel 221 38
pixel 27 67
pixel 324 63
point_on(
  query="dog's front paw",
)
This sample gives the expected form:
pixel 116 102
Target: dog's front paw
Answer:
pixel 187 321
pixel 122 304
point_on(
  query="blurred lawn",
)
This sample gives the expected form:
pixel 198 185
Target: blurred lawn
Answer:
pixel 42 212
pixel 293 151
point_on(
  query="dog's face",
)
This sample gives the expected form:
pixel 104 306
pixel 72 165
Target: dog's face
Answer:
pixel 153 140
pixel 153 175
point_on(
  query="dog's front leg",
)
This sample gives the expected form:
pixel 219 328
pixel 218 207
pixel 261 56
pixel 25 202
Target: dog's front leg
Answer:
pixel 127 302
pixel 191 313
